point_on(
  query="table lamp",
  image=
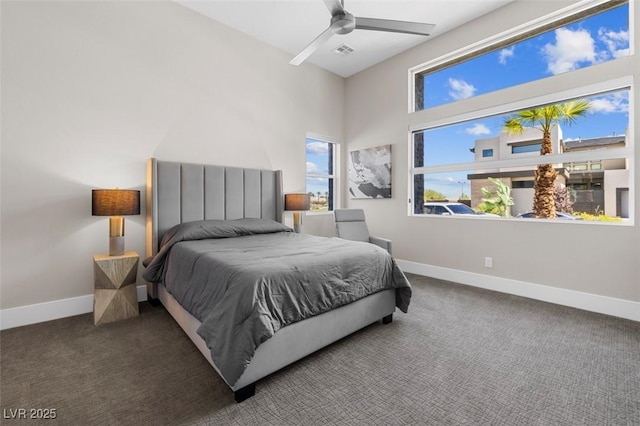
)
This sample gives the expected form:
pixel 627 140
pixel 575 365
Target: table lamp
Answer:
pixel 115 203
pixel 297 203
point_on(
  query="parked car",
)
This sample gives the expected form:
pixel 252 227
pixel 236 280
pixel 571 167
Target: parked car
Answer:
pixel 560 215
pixel 452 209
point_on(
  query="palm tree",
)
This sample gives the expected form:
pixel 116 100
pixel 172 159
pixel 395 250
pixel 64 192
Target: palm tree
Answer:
pixel 543 118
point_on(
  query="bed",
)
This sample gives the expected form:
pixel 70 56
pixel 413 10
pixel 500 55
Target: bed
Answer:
pixel 222 232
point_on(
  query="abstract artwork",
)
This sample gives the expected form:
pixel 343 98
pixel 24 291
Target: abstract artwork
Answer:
pixel 370 172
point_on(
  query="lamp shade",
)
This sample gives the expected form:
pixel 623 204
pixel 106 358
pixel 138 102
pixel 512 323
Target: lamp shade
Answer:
pixel 115 202
pixel 297 202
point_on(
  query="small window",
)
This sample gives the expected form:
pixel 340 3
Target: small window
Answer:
pixel 579 167
pixel 320 174
pixel 521 149
pixel 487 153
pixel 522 184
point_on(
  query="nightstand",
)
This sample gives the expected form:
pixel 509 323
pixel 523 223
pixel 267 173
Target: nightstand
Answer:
pixel 115 296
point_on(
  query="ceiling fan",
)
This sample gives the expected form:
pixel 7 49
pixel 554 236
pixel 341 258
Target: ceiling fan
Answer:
pixel 342 22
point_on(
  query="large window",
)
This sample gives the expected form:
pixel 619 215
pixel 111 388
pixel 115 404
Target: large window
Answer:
pixel 321 166
pixel 590 154
pixel 577 41
pixel 558 128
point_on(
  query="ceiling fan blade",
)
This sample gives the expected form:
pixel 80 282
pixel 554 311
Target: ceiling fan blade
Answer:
pixel 312 47
pixel 389 25
pixel 334 6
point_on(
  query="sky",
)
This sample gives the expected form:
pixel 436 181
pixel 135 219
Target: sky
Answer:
pixel 600 38
pixel 597 39
pixel 317 163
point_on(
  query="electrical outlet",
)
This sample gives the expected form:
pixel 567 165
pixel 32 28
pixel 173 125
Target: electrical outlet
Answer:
pixel 488 262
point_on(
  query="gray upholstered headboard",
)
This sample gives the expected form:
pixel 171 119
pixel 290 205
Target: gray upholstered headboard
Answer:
pixel 184 192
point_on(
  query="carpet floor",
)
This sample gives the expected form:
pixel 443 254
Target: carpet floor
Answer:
pixel 461 356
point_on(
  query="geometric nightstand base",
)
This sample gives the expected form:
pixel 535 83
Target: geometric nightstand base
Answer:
pixel 115 297
pixel 114 305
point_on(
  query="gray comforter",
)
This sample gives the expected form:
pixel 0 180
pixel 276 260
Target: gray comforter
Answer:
pixel 246 279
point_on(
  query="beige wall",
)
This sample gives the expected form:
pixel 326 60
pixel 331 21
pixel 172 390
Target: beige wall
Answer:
pixel 90 90
pixel 595 259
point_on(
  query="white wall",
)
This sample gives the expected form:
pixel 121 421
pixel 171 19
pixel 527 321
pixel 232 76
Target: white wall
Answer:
pixel 592 259
pixel 90 90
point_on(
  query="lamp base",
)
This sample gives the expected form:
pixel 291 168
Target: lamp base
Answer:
pixel 297 222
pixel 116 246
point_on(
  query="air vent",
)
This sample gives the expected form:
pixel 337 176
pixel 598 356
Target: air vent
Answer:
pixel 343 49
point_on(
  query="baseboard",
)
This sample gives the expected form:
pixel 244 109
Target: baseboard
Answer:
pixel 47 311
pixel 575 299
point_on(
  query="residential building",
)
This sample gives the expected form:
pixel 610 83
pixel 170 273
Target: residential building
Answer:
pixel 596 186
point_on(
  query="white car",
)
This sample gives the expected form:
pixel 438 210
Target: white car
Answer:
pixel 452 209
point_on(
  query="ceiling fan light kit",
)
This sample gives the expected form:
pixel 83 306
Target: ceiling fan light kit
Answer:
pixel 342 22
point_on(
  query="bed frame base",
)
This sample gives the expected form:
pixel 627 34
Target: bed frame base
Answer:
pixel 388 319
pixel 245 393
pixel 293 342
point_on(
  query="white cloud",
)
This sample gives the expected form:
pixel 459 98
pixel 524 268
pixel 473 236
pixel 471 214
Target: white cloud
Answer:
pixel 477 130
pixel 313 168
pixel 616 42
pixel 505 54
pixel 612 103
pixel 621 52
pixel 570 49
pixel 319 148
pixel 460 89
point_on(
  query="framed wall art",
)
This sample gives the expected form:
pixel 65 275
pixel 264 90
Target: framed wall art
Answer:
pixel 370 172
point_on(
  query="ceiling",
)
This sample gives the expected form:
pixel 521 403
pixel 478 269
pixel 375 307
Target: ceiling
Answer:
pixel 291 25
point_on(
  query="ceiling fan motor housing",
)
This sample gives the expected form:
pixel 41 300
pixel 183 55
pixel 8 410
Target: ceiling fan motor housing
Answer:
pixel 343 23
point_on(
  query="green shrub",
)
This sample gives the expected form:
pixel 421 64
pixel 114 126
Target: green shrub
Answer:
pixel 597 217
pixel 485 207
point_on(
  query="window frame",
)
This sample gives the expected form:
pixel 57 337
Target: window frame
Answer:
pixel 586 156
pixel 597 79
pixel 336 170
pixel 562 17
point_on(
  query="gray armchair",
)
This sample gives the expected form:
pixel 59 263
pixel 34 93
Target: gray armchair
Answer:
pixel 351 225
